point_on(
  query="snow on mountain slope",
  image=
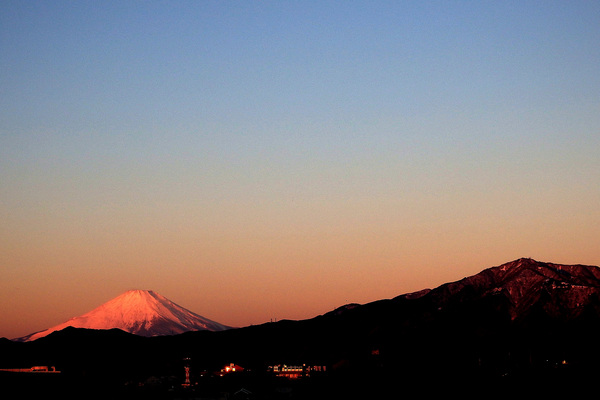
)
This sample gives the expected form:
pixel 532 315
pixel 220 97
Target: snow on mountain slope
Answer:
pixel 526 285
pixel 141 312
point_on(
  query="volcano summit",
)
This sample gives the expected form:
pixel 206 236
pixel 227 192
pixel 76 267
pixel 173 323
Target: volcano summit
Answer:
pixel 141 312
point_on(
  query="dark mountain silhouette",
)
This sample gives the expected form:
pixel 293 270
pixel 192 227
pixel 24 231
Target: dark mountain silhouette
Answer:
pixel 522 324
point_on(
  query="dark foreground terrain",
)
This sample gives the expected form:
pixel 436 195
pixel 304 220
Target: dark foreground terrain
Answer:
pixel 391 385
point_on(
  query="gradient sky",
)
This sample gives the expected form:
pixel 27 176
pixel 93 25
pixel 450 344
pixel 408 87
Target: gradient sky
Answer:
pixel 275 160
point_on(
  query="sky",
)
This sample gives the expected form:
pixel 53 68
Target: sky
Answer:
pixel 266 160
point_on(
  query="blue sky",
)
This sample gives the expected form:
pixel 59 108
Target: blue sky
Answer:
pixel 371 147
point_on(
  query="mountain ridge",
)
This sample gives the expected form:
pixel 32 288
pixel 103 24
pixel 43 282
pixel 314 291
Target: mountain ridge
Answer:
pixel 520 284
pixel 524 282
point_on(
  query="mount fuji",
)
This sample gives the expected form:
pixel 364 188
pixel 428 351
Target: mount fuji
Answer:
pixel 141 312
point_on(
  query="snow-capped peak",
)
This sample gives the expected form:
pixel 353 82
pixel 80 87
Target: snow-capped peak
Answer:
pixel 141 312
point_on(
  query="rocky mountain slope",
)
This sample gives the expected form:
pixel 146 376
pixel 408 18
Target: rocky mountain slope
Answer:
pixel 563 291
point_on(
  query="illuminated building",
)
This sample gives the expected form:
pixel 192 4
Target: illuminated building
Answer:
pixel 231 368
pixel 296 371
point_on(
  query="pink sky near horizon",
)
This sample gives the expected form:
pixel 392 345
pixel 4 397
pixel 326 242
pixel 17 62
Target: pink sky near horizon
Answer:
pixel 268 161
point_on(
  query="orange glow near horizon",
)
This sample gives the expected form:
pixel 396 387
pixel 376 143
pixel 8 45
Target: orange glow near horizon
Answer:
pixel 296 261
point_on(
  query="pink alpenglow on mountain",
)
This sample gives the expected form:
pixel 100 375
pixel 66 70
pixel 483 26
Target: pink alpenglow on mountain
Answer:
pixel 141 312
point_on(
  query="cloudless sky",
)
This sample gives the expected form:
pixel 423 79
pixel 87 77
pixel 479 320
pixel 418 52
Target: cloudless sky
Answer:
pixel 256 160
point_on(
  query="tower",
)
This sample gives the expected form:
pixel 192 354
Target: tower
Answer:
pixel 187 372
